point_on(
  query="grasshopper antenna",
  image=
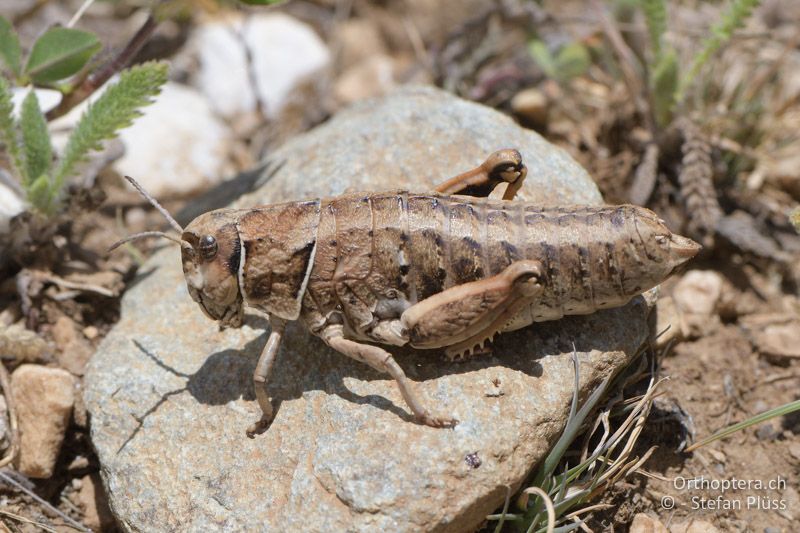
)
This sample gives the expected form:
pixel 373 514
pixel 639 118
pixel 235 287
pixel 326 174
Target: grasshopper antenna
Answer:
pixel 154 202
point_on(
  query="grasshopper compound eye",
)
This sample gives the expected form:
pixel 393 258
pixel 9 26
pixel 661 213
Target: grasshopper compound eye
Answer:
pixel 208 247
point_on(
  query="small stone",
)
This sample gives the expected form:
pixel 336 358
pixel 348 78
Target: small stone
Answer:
pixel 531 106
pixel 718 455
pixel 11 204
pixel 774 334
pixel 74 349
pixel 702 526
pixel 792 500
pixel 357 39
pixel 23 345
pixel 766 432
pixel 178 145
pixel 243 62
pixel 271 39
pixel 223 76
pixel 79 463
pixel 794 449
pixel 90 332
pixel 44 398
pixel 372 77
pixel 92 499
pixel 473 460
pixel 668 322
pixel 696 296
pixel 643 523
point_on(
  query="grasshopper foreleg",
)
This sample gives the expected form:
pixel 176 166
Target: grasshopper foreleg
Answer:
pixel 261 376
pixel 382 361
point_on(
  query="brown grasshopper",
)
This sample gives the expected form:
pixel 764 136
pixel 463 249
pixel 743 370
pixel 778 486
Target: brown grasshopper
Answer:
pixel 448 269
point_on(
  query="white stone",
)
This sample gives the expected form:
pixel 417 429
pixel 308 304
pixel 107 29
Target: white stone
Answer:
pixel 285 52
pixel 178 145
pixel 10 206
pixel 48 98
pixel 223 75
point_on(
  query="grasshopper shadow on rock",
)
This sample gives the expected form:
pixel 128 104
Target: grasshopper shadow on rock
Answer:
pixel 443 270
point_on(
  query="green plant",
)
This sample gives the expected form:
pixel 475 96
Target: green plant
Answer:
pixel 570 61
pixel 668 85
pixel 795 217
pixel 555 500
pixel 57 54
pixel 28 141
pixel 782 410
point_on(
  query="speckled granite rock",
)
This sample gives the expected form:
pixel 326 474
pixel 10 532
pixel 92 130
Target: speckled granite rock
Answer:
pixel 170 396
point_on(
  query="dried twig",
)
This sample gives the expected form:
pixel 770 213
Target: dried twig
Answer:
pixel 44 503
pixel 85 287
pixel 5 384
pixel 646 175
pixel 24 520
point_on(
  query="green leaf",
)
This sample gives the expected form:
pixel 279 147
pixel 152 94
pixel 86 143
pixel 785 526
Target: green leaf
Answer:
pixel 114 110
pixel 35 138
pixel 542 56
pixel 573 60
pixel 655 16
pixel 40 194
pixel 10 50
pixel 664 83
pixel 8 130
pixel 59 53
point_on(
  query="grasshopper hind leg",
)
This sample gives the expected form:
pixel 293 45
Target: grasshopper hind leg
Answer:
pixel 464 317
pixel 502 166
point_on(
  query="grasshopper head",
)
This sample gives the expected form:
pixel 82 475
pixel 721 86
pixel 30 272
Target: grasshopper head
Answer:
pixel 211 254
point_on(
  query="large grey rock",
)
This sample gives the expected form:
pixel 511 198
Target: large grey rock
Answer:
pixel 170 396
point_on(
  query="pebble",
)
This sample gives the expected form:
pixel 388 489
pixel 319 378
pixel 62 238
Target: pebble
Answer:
pixel 44 398
pixel 92 499
pixel 643 523
pixel 178 145
pixel 11 204
pixel 243 62
pixel 532 106
pixel 23 345
pixel 372 77
pixel 74 349
pixel 696 296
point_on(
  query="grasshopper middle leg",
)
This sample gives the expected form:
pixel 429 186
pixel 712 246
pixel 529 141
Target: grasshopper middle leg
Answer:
pixel 381 360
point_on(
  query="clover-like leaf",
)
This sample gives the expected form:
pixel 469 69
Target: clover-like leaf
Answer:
pixel 573 60
pixel 59 53
pixel 10 50
pixel 542 56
